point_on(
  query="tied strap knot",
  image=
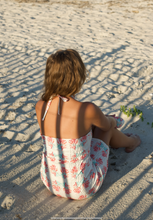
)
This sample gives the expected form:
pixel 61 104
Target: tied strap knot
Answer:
pixel 64 99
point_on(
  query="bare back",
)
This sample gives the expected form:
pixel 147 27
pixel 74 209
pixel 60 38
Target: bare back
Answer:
pixel 72 122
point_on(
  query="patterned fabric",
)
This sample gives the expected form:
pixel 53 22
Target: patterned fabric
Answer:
pixel 73 168
pixel 120 121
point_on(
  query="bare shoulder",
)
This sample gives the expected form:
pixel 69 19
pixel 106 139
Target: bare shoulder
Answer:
pixel 40 108
pixel 89 108
pixel 39 105
pixel 94 114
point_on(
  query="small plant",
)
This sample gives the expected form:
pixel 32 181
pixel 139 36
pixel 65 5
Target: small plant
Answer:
pixel 133 112
pixel 141 117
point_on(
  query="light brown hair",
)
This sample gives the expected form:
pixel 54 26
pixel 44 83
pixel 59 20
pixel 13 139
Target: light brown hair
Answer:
pixel 64 75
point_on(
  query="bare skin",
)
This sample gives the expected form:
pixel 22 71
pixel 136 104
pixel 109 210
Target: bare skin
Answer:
pixel 76 119
pixel 117 139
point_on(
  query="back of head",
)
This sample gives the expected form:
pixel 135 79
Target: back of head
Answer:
pixel 64 75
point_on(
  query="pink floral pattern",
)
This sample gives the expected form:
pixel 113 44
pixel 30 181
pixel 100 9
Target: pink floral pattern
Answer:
pixel 67 188
pixel 92 175
pixel 74 171
pixel 76 188
pixel 74 168
pixel 64 172
pixel 55 186
pixel 53 169
pixel 86 183
pixel 99 160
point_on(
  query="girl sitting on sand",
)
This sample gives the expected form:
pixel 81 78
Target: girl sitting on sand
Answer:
pixel 76 135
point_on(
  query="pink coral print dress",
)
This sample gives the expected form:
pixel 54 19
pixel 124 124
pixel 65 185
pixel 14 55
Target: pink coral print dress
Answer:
pixel 73 168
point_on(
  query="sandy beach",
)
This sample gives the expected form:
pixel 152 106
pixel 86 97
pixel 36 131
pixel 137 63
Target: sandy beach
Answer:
pixel 115 41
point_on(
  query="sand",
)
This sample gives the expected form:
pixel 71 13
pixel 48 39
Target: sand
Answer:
pixel 114 39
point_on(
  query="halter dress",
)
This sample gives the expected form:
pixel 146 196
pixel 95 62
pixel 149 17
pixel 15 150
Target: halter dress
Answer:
pixel 73 168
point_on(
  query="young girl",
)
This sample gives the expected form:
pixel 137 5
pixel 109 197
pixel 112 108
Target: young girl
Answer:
pixel 76 135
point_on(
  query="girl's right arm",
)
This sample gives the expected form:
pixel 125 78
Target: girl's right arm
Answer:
pixel 99 119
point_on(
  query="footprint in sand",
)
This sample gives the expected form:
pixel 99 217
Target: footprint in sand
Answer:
pixel 29 106
pixel 2 114
pixel 10 116
pixel 8 202
pixel 19 102
pixel 33 148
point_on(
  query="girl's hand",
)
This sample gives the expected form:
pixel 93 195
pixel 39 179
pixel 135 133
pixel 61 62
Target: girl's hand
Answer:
pixel 119 121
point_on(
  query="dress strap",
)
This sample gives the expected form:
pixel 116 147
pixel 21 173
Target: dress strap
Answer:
pixel 48 104
pixel 64 99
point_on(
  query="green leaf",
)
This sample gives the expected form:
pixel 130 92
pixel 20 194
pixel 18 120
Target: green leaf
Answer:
pixel 134 108
pixel 128 114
